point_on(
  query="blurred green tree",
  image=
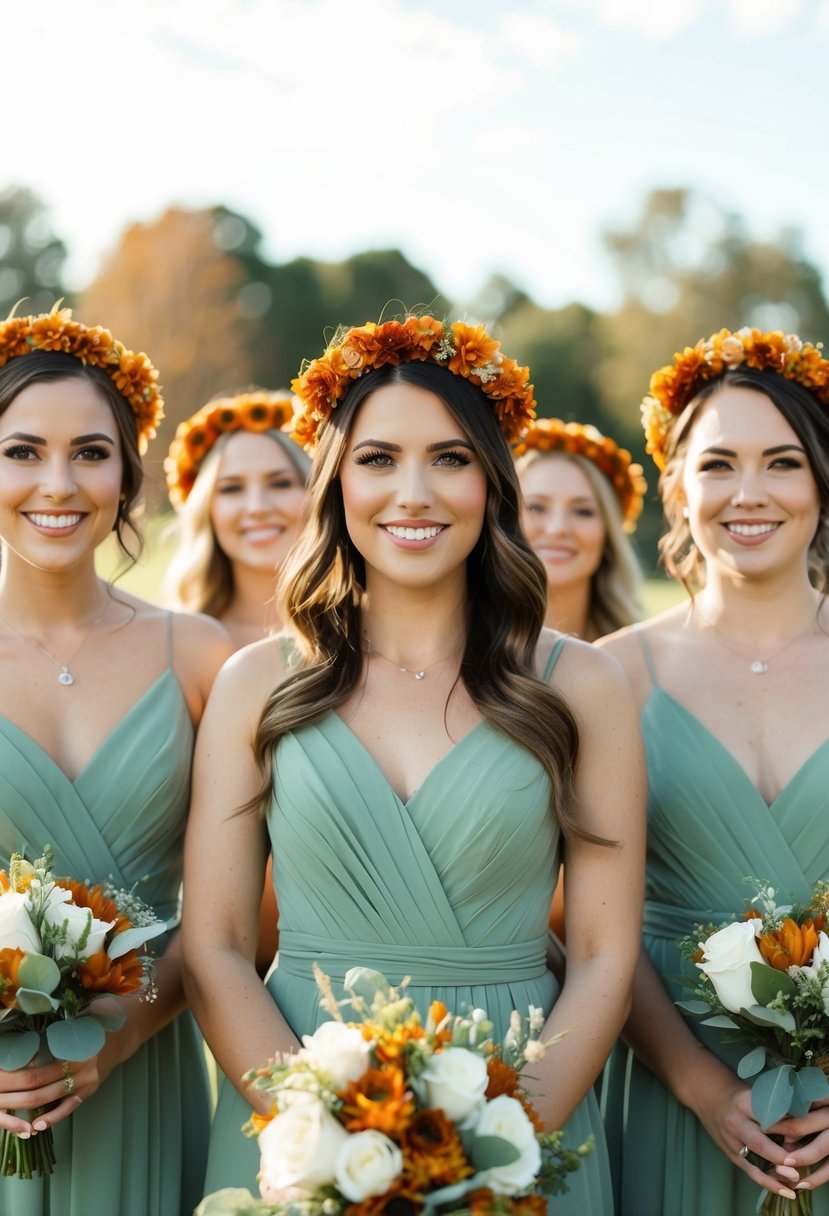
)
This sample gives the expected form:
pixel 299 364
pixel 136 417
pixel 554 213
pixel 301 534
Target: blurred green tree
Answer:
pixel 32 257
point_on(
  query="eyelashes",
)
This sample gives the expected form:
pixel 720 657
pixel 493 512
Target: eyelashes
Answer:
pixel 450 459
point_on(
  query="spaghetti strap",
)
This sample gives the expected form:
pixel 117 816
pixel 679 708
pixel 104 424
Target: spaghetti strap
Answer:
pixel 553 659
pixel 170 639
pixel 646 651
pixel 287 651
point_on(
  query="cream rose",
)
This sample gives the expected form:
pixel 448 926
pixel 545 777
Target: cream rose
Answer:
pixel 337 1050
pixel 298 1148
pixel 73 926
pixel 367 1164
pixel 820 955
pixel 456 1080
pixel 728 955
pixel 506 1118
pixel 732 351
pixel 16 929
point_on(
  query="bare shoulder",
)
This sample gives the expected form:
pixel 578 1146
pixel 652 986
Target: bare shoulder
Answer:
pixel 583 673
pixel 248 678
pixel 200 638
pixel 632 646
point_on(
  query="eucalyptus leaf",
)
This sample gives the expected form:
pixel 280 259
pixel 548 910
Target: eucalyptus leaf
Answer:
pixel 366 983
pixel 722 1021
pixel 33 1000
pixel 810 1085
pixel 694 1007
pixel 17 1049
pixel 488 1152
pixel 75 1038
pixel 779 1018
pixel 133 939
pixel 767 982
pixel 39 973
pixel 771 1095
pixel 752 1063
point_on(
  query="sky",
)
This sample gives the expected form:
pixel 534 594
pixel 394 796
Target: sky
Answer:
pixel 477 136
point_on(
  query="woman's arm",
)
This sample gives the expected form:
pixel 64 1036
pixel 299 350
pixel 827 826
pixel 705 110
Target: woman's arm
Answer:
pixel 225 857
pixel 604 883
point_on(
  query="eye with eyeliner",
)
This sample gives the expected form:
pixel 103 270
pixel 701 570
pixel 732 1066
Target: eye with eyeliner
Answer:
pixel 19 451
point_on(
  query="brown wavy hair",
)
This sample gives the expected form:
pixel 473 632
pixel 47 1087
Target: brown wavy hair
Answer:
pixel 50 367
pixel 810 422
pixel 323 582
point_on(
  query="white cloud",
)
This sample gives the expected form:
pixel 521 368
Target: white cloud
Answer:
pixel 538 39
pixel 663 20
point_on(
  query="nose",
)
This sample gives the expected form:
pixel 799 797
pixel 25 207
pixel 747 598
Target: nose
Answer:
pixel 58 480
pixel 751 492
pixel 256 499
pixel 556 519
pixel 413 492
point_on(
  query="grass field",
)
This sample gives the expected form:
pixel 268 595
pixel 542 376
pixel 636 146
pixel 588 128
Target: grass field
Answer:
pixel 146 577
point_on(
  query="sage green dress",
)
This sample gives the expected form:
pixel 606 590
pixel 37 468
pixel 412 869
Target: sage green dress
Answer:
pixel 709 829
pixel 137 1146
pixel 452 888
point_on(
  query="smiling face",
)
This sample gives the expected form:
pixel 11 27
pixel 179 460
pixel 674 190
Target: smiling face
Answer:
pixel 61 473
pixel 258 500
pixel 752 501
pixel 562 519
pixel 414 491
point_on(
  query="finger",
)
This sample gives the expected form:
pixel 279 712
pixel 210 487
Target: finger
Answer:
pixel 816 1120
pixel 57 1113
pixel 13 1123
pixel 769 1182
pixel 810 1153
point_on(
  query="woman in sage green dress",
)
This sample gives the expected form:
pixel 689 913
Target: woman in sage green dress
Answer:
pixel 422 749
pixel 732 691
pixel 99 694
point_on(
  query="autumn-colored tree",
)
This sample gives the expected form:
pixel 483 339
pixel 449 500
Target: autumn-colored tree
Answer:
pixel 170 288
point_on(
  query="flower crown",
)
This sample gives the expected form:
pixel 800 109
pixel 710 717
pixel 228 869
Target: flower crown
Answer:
pixel 673 386
pixel 254 411
pixel 132 373
pixel 573 438
pixel 466 350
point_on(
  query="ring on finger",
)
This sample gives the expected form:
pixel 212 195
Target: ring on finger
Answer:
pixel 68 1079
pixel 744 1152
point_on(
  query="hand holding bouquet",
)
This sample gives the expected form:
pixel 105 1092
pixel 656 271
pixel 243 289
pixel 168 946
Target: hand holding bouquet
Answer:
pixel 392 1114
pixel 765 979
pixel 64 946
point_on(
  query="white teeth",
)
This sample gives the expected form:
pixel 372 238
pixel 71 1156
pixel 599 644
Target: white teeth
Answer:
pixel 751 529
pixel 414 533
pixel 54 521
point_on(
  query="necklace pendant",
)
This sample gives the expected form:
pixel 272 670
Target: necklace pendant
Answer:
pixel 759 667
pixel 66 677
pixel 419 675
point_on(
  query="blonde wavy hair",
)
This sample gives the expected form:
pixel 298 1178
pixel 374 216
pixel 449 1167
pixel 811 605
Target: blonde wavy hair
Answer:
pixel 322 584
pixel 616 584
pixel 200 575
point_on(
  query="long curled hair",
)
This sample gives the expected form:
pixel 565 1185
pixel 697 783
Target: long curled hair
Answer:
pixel 50 367
pixel 810 422
pixel 322 586
pixel 616 583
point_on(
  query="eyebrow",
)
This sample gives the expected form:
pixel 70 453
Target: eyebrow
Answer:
pixel 275 472
pixel 443 446
pixel 77 441
pixel 96 435
pixel 782 447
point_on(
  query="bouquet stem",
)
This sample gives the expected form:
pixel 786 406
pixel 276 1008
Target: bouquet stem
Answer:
pixel 778 1205
pixel 27 1158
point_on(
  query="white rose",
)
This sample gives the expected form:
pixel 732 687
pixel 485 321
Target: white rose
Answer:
pixel 338 1050
pixel 367 1164
pixel 456 1081
pixel 732 350
pixel 820 955
pixel 16 928
pixel 506 1118
pixel 298 1149
pixel 60 913
pixel 728 955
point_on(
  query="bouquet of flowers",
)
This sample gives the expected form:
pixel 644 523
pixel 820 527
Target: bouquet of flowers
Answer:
pixel 391 1114
pixel 64 947
pixel 765 978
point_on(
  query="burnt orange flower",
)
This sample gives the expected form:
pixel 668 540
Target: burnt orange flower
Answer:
pixel 377 1101
pixel 10 959
pixel 529 1205
pixel 791 945
pixel 119 976
pixel 503 1079
pixel 481 1202
pixel 433 1154
pixel 101 906
pixel 397 1201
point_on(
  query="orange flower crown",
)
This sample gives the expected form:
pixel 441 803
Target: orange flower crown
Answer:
pixel 673 386
pixel 626 478
pixel 466 350
pixel 256 411
pixel 133 373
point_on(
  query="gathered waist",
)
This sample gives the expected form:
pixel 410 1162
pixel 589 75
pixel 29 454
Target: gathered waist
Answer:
pixel 673 922
pixel 427 966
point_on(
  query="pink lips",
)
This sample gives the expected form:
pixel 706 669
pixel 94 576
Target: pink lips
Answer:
pixel 68 530
pixel 766 528
pixel 414 544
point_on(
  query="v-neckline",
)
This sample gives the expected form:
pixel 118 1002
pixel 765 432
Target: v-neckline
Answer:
pixel 406 802
pixel 735 763
pixel 108 737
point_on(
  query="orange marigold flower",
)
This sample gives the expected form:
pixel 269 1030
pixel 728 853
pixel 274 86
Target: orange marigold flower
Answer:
pixel 503 1079
pixel 529 1205
pixel 378 1100
pixel 119 976
pixel 10 959
pixel 433 1154
pixel 792 945
pixel 101 906
pixel 399 1200
pixel 481 1202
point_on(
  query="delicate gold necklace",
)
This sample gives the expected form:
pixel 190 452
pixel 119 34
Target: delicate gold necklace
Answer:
pixel 757 666
pixel 418 673
pixel 65 676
